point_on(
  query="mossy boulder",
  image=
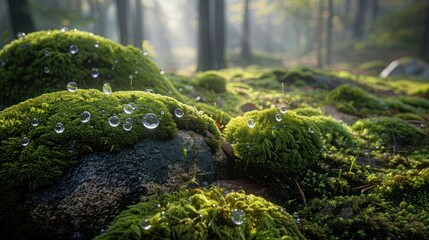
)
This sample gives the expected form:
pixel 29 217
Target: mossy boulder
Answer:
pixel 211 81
pixel 355 100
pixel 204 214
pixel 43 137
pixel 391 131
pixel 269 142
pixel 46 61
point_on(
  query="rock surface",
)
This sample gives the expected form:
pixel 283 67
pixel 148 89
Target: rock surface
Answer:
pixel 92 193
pixel 406 67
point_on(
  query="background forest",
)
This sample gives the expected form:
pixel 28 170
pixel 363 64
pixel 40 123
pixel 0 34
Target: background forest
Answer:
pixel 356 35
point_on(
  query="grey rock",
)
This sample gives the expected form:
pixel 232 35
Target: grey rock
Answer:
pixel 93 192
pixel 406 66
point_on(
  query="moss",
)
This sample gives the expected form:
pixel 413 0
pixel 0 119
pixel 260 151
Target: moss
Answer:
pixel 390 130
pixel 416 102
pixel 332 131
pixel 409 116
pixel 49 154
pixel 211 81
pixel 308 111
pixel 355 100
pixel 203 214
pixel 399 106
pixel 24 76
pixel 274 147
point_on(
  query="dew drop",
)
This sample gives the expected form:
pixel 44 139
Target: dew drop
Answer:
pixel 85 116
pixel 127 126
pixel 46 53
pixel 129 120
pixel 128 108
pixel 107 89
pixel 179 112
pixel 46 70
pixel 238 216
pixel 73 49
pixel 149 90
pixel 59 127
pixel 330 153
pixel 145 225
pixel 25 141
pixel 97 45
pixel 278 117
pixel 310 130
pixel 72 87
pixel 297 218
pixel 283 109
pixel 34 122
pixel 64 29
pixel 95 73
pixel 366 152
pixel 161 70
pixel 20 35
pixel 150 121
pixel 144 52
pixel 114 121
pixel 180 89
pixel 251 123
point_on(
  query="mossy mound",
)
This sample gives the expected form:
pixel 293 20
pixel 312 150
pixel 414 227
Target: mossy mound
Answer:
pixel 355 100
pixel 332 131
pixel 308 111
pixel 390 130
pixel 204 214
pixel 277 143
pixel 46 61
pixel 44 136
pixel 211 81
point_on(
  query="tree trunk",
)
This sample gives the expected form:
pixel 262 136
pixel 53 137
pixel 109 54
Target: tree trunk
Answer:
pixel 319 39
pixel 138 24
pixel 346 20
pixel 359 23
pixel 219 34
pixel 374 14
pixel 121 6
pixel 425 42
pixel 205 55
pixel 329 32
pixel 20 16
pixel 245 41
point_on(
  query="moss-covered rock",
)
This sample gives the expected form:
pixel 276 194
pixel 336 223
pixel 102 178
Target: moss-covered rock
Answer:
pixel 204 214
pixel 42 137
pixel 269 142
pixel 46 61
pixel 390 130
pixel 211 81
pixel 355 100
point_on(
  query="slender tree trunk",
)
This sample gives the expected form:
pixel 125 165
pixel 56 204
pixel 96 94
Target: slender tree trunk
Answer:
pixel 329 32
pixel 138 23
pixel 121 6
pixel 20 16
pixel 205 55
pixel 425 39
pixel 245 41
pixel 219 34
pixel 346 20
pixel 359 23
pixel 319 39
pixel 374 14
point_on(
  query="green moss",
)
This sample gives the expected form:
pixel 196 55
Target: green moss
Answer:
pixel 274 147
pixel 332 131
pixel 211 81
pixel 409 116
pixel 355 100
pixel 203 214
pixel 308 111
pixel 417 102
pixel 125 68
pixel 399 106
pixel 390 130
pixel 49 154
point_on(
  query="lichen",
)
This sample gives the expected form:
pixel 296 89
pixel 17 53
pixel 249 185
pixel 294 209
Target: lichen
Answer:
pixel 272 146
pixel 203 214
pixel 42 62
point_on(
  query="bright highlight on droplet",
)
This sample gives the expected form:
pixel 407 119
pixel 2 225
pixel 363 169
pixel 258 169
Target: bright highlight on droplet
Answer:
pixel 251 123
pixel 85 116
pixel 179 112
pixel 150 121
pixel 145 225
pixel 283 109
pixel 127 126
pixel 46 70
pixel 73 49
pixel 72 87
pixel 34 122
pixel 107 89
pixel 25 141
pixel 128 108
pixel 95 73
pixel 278 117
pixel 161 71
pixel 59 127
pixel 238 216
pixel 114 121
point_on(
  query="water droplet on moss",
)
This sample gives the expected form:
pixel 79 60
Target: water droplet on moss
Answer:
pixel 85 116
pixel 107 89
pixel 114 121
pixel 278 117
pixel 238 216
pixel 251 123
pixel 95 73
pixel 46 53
pixel 46 70
pixel 310 130
pixel 127 126
pixel 366 152
pixel 73 49
pixel 150 121
pixel 97 45
pixel 128 108
pixel 25 141
pixel 72 87
pixel 161 70
pixel 179 112
pixel 144 52
pixel 20 35
pixel 64 29
pixel 145 225
pixel 59 127
pixel 34 122
pixel 283 109
pixel 330 153
pixel 149 90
